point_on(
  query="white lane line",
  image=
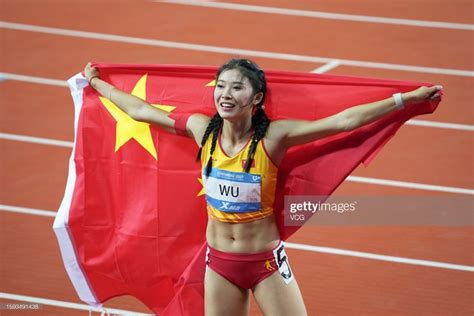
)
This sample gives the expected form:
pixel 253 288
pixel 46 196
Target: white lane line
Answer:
pixel 70 305
pixel 374 256
pixel 328 250
pixel 230 51
pixel 321 15
pixel 325 68
pixel 375 181
pixel 32 79
pixel 26 210
pixel 36 140
pixel 461 127
pixel 455 126
pixel 410 185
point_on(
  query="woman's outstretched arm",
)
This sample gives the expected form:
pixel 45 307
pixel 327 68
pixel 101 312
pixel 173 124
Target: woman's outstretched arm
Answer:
pixel 135 107
pixel 297 132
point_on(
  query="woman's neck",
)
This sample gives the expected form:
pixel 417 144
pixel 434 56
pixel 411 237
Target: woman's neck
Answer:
pixel 236 132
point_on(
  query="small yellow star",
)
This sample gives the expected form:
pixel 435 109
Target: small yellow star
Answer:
pixel 127 128
pixel 211 84
pixel 202 192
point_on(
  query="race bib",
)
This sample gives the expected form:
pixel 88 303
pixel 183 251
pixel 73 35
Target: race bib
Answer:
pixel 281 260
pixel 234 192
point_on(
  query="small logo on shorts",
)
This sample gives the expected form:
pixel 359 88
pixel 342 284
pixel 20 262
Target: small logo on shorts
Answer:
pixel 268 265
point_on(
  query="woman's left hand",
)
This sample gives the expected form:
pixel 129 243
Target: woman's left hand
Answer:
pixel 90 72
pixel 422 94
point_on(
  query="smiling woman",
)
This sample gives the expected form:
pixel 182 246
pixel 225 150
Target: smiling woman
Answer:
pixel 240 152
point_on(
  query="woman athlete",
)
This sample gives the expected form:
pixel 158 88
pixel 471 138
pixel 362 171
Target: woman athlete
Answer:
pixel 240 150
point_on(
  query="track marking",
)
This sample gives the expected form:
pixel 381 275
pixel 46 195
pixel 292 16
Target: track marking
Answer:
pixel 227 50
pixel 31 79
pixel 455 126
pixel 376 181
pixel 70 305
pixel 462 127
pixel 328 250
pixel 320 14
pixel 373 256
pixel 36 140
pixel 410 185
pixel 26 210
pixel 329 66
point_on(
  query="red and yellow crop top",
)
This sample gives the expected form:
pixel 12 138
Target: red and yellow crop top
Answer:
pixel 232 195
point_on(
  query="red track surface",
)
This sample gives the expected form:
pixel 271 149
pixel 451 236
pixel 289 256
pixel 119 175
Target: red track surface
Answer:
pixel 34 175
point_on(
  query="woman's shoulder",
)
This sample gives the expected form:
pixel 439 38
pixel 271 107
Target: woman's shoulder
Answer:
pixel 278 129
pixel 274 140
pixel 196 126
pixel 199 119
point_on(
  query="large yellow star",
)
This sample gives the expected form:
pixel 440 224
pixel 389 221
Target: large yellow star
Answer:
pixel 127 128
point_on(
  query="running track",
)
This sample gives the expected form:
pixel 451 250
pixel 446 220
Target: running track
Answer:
pixel 44 40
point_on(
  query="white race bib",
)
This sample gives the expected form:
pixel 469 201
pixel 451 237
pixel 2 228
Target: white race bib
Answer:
pixel 234 192
pixel 281 259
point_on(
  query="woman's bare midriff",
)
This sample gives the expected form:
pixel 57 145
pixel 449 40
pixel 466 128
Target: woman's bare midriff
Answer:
pixel 252 237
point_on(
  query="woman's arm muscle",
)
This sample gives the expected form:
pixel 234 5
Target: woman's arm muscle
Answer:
pixel 297 132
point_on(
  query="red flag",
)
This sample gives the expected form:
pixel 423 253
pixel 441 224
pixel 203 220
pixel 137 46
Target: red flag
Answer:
pixel 133 217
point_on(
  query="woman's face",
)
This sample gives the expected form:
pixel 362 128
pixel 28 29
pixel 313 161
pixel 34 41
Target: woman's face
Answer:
pixel 234 96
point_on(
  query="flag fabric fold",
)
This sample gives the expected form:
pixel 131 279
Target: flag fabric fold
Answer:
pixel 133 217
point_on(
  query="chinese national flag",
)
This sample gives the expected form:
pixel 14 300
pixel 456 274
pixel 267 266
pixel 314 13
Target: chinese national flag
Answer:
pixel 133 217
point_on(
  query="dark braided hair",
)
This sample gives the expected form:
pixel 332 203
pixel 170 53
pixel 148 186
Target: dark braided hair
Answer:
pixel 213 127
pixel 260 121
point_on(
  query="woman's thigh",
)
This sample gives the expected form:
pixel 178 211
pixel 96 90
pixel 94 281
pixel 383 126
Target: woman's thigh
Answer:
pixel 221 297
pixel 275 297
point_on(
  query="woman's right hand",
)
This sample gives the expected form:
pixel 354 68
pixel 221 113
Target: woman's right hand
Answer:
pixel 423 94
pixel 90 72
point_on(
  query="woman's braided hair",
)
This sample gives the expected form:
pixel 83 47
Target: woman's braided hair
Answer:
pixel 260 121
